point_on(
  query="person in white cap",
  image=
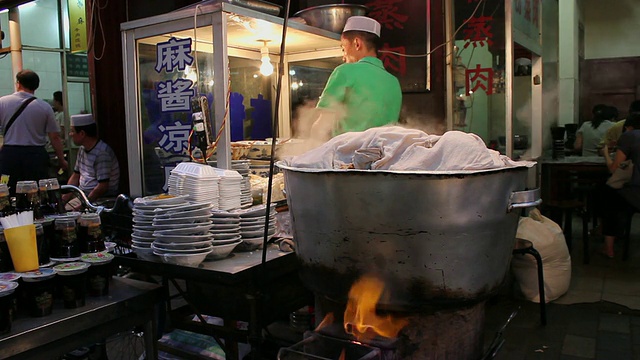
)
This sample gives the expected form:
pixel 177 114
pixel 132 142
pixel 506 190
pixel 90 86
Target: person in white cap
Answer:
pixel 359 94
pixel 27 123
pixel 96 171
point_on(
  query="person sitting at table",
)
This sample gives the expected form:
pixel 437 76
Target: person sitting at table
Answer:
pixel 614 132
pixel 591 132
pixel 616 202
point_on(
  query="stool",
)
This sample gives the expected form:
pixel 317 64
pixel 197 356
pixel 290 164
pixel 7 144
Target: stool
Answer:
pixel 526 247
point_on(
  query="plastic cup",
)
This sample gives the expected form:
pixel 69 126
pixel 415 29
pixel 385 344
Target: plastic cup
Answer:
pixel 23 247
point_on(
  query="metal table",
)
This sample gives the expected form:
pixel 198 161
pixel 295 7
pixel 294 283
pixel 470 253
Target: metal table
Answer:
pixel 130 303
pixel 237 288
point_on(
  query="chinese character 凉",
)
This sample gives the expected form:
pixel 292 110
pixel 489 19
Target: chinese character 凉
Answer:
pixel 175 95
pixel 173 54
pixel 393 62
pixel 479 78
pixel 175 137
pixel 386 12
pixel 478 32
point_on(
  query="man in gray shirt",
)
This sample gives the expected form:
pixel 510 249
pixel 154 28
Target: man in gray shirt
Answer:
pixel 23 155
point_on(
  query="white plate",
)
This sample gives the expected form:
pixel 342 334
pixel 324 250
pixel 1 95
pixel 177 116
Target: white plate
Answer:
pixel 226 236
pixel 184 220
pixel 183 208
pixel 255 211
pixel 179 214
pixel 179 226
pixel 258 221
pixel 183 238
pixel 223 250
pixel 193 230
pixel 143 233
pixel 255 227
pixel 158 248
pixel 217 242
pixel 143 227
pixel 227 226
pixel 221 214
pixel 257 233
pixel 182 247
pixel 226 221
pixel 217 230
pixel 155 200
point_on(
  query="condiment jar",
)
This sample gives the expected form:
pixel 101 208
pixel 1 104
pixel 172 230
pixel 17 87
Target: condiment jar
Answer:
pixel 27 198
pixel 5 201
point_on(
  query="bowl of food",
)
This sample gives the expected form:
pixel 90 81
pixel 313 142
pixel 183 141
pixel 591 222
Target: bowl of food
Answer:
pixel 331 17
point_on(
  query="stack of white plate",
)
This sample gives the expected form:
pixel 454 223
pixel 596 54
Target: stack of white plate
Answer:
pixel 198 181
pixel 226 233
pixel 182 233
pixel 242 167
pixel 143 215
pixel 229 187
pixel 252 223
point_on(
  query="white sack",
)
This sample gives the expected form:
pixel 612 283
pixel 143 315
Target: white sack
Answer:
pixel 548 239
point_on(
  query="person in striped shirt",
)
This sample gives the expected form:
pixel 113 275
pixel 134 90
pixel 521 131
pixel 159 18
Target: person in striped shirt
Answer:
pixel 96 171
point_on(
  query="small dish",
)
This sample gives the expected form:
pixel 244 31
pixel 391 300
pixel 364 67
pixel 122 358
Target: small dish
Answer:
pixel 9 276
pixel 192 260
pixel 97 258
pixel 38 275
pixel 7 287
pixel 71 268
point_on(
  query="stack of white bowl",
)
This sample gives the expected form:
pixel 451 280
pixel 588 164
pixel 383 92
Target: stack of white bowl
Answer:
pixel 198 181
pixel 143 216
pixel 229 188
pixel 226 233
pixel 242 167
pixel 252 224
pixel 182 233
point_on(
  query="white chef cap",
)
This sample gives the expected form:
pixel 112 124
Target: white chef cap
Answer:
pixel 82 120
pixel 362 23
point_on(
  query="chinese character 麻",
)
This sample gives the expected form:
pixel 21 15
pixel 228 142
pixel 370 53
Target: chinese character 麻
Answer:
pixel 174 137
pixel 479 78
pixel 478 31
pixel 173 53
pixel 175 95
pixel 386 12
pixel 392 62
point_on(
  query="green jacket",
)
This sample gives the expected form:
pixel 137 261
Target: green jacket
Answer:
pixel 370 95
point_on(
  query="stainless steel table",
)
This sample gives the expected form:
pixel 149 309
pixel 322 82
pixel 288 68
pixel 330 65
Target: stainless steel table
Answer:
pixel 130 303
pixel 238 288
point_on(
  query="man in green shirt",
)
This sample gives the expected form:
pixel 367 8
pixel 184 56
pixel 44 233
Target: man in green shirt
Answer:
pixel 359 94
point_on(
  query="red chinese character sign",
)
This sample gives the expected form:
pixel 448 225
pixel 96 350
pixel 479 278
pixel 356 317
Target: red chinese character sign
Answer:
pixel 405 30
pixel 479 79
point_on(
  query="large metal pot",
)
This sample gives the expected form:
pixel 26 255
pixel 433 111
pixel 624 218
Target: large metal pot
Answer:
pixel 438 239
pixel 331 17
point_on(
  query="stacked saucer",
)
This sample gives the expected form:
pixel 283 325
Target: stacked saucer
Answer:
pixel 198 181
pixel 252 226
pixel 226 233
pixel 143 215
pixel 182 233
pixel 229 187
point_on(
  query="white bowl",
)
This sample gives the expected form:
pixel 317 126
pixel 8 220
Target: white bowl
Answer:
pixel 186 247
pixel 183 238
pixel 143 253
pixel 195 170
pixel 184 259
pixel 222 251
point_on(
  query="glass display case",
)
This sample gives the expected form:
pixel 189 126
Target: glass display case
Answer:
pixel 198 78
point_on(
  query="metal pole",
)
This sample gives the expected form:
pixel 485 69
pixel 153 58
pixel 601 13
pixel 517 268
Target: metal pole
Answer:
pixel 15 41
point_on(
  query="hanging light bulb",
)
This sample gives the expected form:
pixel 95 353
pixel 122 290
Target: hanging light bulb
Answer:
pixel 266 68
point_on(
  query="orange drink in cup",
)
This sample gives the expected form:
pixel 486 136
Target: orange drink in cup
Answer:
pixel 23 247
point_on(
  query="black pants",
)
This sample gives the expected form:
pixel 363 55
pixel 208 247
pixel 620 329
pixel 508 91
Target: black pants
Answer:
pixel 616 206
pixel 23 163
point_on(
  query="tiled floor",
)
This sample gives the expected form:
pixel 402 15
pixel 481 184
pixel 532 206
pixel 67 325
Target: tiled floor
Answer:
pixel 598 318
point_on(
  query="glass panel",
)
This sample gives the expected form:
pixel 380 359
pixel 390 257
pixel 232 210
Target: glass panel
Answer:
pixel 65 24
pixel 307 79
pixel 7 82
pixel 48 67
pixel 479 104
pixel 79 98
pixel 522 91
pixel 167 88
pixel 250 100
pixel 39 24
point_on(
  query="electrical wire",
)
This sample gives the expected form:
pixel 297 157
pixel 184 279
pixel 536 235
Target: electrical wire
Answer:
pixel 95 15
pixel 444 43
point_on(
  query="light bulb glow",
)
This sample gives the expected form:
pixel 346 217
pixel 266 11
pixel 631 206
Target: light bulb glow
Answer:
pixel 266 68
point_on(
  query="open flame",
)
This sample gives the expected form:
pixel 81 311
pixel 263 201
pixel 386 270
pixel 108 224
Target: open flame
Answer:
pixel 360 317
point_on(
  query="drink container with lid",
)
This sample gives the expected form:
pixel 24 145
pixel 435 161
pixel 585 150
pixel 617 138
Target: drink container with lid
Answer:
pixel 39 287
pixel 7 289
pixel 90 233
pixel 27 198
pixel 44 198
pixel 66 238
pixel 5 201
pixel 99 273
pixel 42 242
pixel 72 278
pixel 54 196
